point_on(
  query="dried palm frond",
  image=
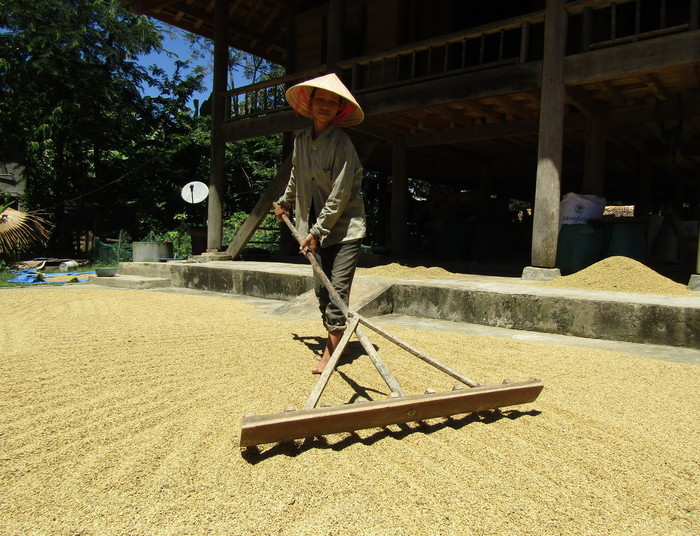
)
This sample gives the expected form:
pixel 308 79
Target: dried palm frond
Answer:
pixel 20 230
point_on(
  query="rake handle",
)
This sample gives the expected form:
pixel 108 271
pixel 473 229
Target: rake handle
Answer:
pixel 338 301
pixel 335 297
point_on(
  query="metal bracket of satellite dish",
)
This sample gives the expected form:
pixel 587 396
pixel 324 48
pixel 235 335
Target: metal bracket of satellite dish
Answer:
pixel 195 192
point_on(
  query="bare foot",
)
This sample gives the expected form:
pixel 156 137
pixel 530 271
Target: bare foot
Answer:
pixel 318 369
pixel 331 343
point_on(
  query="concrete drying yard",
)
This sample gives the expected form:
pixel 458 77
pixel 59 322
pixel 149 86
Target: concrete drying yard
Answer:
pixel 121 411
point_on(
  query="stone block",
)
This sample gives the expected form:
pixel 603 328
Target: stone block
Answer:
pixel 533 273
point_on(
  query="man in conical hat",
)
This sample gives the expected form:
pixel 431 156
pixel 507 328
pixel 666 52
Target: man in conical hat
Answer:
pixel 325 189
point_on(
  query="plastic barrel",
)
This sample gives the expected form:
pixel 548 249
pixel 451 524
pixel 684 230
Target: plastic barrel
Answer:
pixel 152 251
pixel 578 247
pixel 627 240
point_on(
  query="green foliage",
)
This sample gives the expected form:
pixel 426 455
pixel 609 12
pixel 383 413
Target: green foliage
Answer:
pixel 181 240
pixel 98 155
pixel 267 236
pixel 250 165
pixel 72 113
pixel 71 85
pixel 6 274
pixel 110 254
pixel 6 200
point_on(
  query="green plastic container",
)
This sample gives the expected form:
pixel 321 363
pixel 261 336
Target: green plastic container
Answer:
pixel 578 247
pixel 627 240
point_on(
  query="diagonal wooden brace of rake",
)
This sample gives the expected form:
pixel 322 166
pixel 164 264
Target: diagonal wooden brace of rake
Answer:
pixel 398 408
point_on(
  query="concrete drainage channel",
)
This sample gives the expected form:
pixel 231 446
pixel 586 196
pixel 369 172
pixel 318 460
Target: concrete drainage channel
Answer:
pixel 661 320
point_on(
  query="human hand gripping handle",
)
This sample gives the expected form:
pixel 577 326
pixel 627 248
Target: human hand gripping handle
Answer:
pixel 310 242
pixel 280 210
pixel 283 214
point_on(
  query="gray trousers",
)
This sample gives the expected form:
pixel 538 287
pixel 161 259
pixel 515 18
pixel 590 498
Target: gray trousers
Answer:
pixel 338 263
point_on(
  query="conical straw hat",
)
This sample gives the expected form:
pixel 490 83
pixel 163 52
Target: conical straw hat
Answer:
pixel 299 96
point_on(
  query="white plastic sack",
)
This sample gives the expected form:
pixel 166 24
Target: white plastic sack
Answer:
pixel 579 208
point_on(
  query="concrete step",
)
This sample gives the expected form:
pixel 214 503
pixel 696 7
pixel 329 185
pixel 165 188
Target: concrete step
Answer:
pixel 131 281
pixel 147 269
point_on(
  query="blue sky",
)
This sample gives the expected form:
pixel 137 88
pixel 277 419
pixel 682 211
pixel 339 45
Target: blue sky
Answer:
pixel 179 46
pixel 174 41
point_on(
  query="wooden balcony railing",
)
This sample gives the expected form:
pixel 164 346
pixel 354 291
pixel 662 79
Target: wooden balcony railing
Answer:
pixel 264 97
pixel 593 24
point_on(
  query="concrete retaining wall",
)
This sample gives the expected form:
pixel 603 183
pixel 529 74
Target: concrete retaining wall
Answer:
pixel 271 285
pixel 646 323
pixel 611 316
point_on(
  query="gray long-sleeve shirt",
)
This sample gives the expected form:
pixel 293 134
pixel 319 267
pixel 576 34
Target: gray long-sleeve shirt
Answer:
pixel 328 172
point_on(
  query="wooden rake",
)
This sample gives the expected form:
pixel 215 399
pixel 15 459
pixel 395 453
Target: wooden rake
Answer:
pixel 398 408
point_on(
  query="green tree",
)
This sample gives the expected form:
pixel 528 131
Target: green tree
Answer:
pixel 71 105
pixel 98 154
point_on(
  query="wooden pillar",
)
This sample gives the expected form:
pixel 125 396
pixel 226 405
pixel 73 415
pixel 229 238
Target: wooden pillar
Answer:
pixel 334 31
pixel 594 160
pixel 399 199
pixel 524 42
pixel 485 189
pixel 642 197
pixel 288 244
pixel 290 67
pixel 218 146
pixel 586 29
pixel 697 261
pixel 545 228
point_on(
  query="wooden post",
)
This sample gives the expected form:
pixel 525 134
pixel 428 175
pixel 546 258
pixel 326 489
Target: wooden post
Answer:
pixel 287 243
pixel 218 145
pixel 549 158
pixel 485 188
pixel 399 199
pixel 524 42
pixel 587 29
pixel 594 160
pixel 334 46
pixel 642 198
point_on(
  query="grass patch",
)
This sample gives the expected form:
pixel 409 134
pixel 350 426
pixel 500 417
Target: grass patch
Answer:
pixel 6 274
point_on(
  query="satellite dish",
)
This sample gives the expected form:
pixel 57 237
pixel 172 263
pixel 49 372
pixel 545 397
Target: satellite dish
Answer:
pixel 195 192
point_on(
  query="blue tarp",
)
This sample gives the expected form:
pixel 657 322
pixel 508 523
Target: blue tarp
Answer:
pixel 31 277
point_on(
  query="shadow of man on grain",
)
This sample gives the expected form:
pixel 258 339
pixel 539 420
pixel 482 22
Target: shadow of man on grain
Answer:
pixel 338 442
pixel 353 350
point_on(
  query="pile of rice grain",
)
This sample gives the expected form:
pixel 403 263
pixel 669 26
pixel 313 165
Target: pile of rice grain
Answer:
pixel 400 271
pixel 621 274
pixel 121 414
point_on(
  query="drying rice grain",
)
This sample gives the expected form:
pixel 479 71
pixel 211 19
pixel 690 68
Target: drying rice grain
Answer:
pixel 612 274
pixel 621 274
pixel 121 412
pixel 400 271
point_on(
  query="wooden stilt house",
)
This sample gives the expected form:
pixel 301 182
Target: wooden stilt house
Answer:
pixel 501 100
